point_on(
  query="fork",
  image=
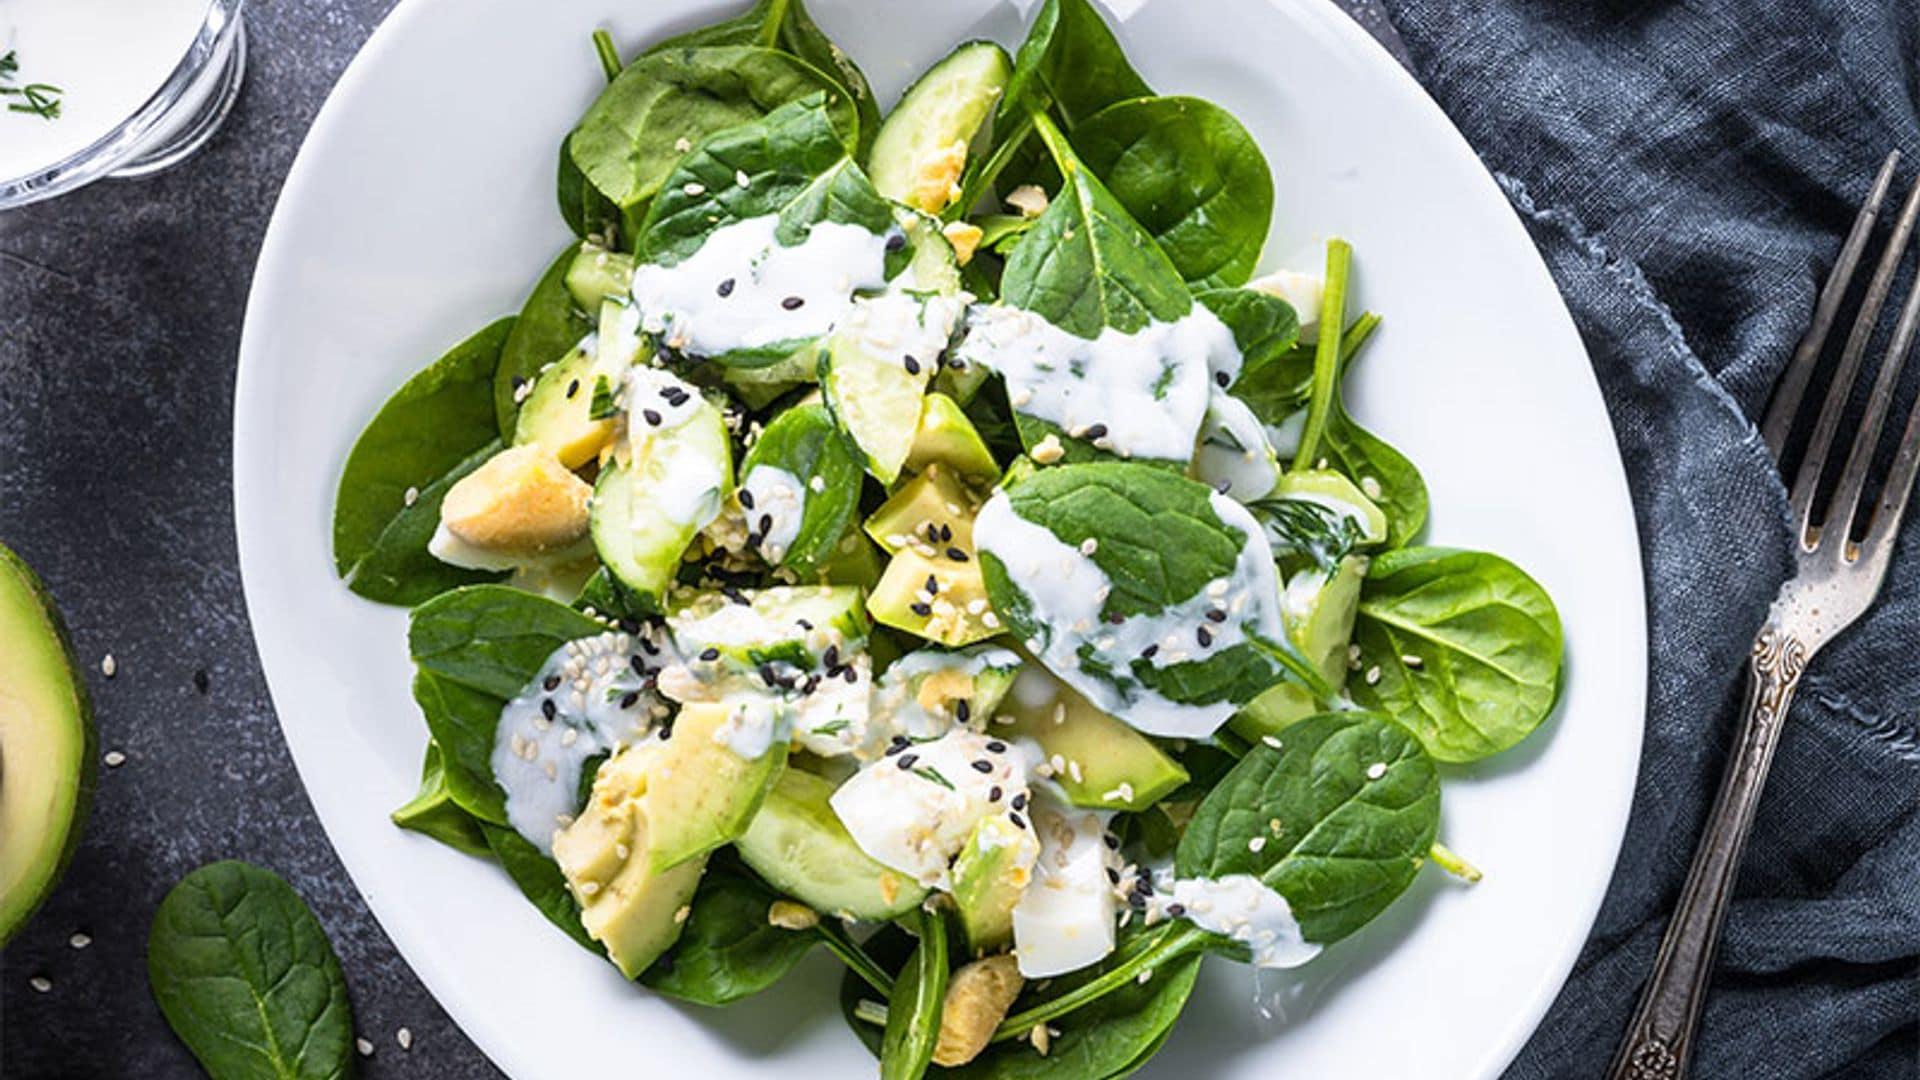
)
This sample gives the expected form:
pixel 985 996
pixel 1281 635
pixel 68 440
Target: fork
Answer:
pixel 1835 580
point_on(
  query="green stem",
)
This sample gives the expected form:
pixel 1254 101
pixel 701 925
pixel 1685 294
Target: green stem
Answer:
pixel 855 957
pixel 1326 354
pixel 1449 860
pixel 1056 141
pixel 1165 947
pixel 872 1012
pixel 1357 334
pixel 981 177
pixel 769 35
pixel 609 54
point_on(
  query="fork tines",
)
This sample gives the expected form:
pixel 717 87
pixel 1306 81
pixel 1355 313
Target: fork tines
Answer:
pixel 1837 517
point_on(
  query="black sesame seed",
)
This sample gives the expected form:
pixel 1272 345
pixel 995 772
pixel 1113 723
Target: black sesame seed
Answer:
pixel 812 681
pixel 551 684
pixel 767 674
pixel 922 610
pixel 1222 379
pixel 896 241
pixel 1216 615
pixel 895 748
pixel 1113 875
pixel 851 674
pixel 519 381
pixel 632 697
pixel 907 760
pixel 766 524
pixel 1201 633
pixel 996 746
pixel 982 766
pixel 1176 910
pixel 666 731
pixel 1018 821
pixel 200 680
pixel 1147 653
pixel 725 288
pixel 1020 801
pixel 901 740
pixel 993 793
pixel 629 626
pixel 573 387
pixel 933 532
pixel 1113 842
pixel 638 665
pixel 831 657
pixel 804 624
pixel 946 533
pixel 933 584
pixel 956 554
pixel 964 710
pixel 653 418
pixel 912 365
pixel 548 709
pixel 710 654
pixel 1116 618
pixel 1223 486
pixel 648 647
pixel 1136 901
pixel 1097 431
pixel 746 498
pixel 792 303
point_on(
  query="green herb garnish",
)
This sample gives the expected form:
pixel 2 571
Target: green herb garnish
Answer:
pixel 932 775
pixel 40 99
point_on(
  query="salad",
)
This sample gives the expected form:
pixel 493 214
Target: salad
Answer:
pixel 925 538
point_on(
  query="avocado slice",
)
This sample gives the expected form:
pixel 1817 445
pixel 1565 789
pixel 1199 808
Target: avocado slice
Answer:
pixel 1119 768
pixel 947 437
pixel 1318 612
pixel 625 903
pixel 955 612
pixel 933 504
pixel 46 745
pixel 989 876
pixel 569 411
pixel 853 561
pixel 700 793
pixel 797 843
pixel 921 150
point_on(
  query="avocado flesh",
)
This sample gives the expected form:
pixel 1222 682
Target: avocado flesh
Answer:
pixel 1110 754
pixel 947 437
pixel 946 617
pixel 46 745
pixel 700 794
pixel 989 876
pixel 606 855
pixel 558 412
pixel 798 844
pixel 935 502
pixel 1321 631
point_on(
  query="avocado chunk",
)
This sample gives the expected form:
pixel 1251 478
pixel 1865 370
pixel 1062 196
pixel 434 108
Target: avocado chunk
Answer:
pixel 953 611
pixel 927 691
pixel 651 501
pixel 627 905
pixel 1318 612
pixel 1278 707
pixel 701 791
pixel 569 412
pixel 46 745
pixel 989 876
pixel 932 511
pixel 948 438
pixel 922 148
pixel 1118 768
pixel 799 846
pixel 1335 492
pixel 853 561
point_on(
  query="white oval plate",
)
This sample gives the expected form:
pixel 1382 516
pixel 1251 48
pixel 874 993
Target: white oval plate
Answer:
pixel 422 206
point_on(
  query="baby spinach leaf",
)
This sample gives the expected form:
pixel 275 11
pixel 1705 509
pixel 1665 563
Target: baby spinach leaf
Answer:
pixel 1358 804
pixel 1193 178
pixel 631 138
pixel 436 813
pixel 805 442
pixel 1363 457
pixel 585 210
pixel 889 948
pixel 492 638
pixel 548 328
pixel 1266 330
pixel 913 1013
pixel 797 164
pixel 1111 1036
pixel 246 977
pixel 421 440
pixel 1467 645
pixel 541 882
pixel 462 722
pixel 728 950
pixel 1070 60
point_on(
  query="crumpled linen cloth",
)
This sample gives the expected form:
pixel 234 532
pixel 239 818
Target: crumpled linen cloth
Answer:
pixel 1688 169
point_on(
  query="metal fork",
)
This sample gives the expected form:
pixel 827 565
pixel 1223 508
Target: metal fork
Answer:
pixel 1836 580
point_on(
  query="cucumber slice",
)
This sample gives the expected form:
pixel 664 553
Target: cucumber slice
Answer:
pixel 793 624
pixel 597 275
pixel 1319 610
pixel 799 846
pixel 648 508
pixel 876 369
pixel 922 148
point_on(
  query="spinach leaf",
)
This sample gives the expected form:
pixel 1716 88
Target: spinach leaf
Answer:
pixel 1468 647
pixel 1070 60
pixel 541 881
pixel 919 995
pixel 889 948
pixel 420 441
pixel 1370 462
pixel 436 813
pixel 728 950
pixel 797 164
pixel 245 976
pixel 585 210
pixel 631 138
pixel 805 442
pixel 1191 175
pixel 1265 329
pixel 1349 841
pixel 462 722
pixel 548 328
pixel 1110 1037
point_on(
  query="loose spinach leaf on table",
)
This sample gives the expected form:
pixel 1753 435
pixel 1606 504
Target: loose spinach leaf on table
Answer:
pixel 1110 1037
pixel 1348 842
pixel 541 882
pixel 919 995
pixel 637 131
pixel 436 813
pixel 548 328
pixel 422 439
pixel 728 950
pixel 1193 178
pixel 805 442
pixel 246 977
pixel 1487 642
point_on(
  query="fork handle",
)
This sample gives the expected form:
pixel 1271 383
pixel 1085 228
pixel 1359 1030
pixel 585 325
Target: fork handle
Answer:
pixel 1660 1039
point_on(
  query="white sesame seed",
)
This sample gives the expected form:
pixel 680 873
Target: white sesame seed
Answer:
pixel 41 983
pixel 413 495
pixel 683 144
pixel 1373 675
pixel 681 915
pixel 1270 741
pixel 1411 660
pixel 114 759
pixel 1256 843
pixel 1089 546
pixel 80 940
pixel 404 1037
pixel 695 188
pixel 817 485
pixel 108 665
pixel 1376 770
pixel 1370 487
pixel 365 1046
pixel 740 177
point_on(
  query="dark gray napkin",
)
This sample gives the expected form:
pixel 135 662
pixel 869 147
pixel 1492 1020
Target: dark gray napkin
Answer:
pixel 1688 170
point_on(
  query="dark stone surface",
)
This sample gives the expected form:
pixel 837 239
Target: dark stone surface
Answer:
pixel 120 312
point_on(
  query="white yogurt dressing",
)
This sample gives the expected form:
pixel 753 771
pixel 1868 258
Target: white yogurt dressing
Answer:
pixel 1238 906
pixel 754 723
pixel 692 480
pixel 1148 389
pixel 775 501
pixel 914 809
pixel 744 290
pixel 1067 590
pixel 592 696
pixel 1233 457
pixel 906 325
pixel 107 56
pixel 1302 291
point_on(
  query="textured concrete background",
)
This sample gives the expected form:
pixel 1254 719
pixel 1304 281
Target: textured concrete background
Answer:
pixel 120 310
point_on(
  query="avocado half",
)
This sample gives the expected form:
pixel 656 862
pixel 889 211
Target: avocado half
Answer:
pixel 46 745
